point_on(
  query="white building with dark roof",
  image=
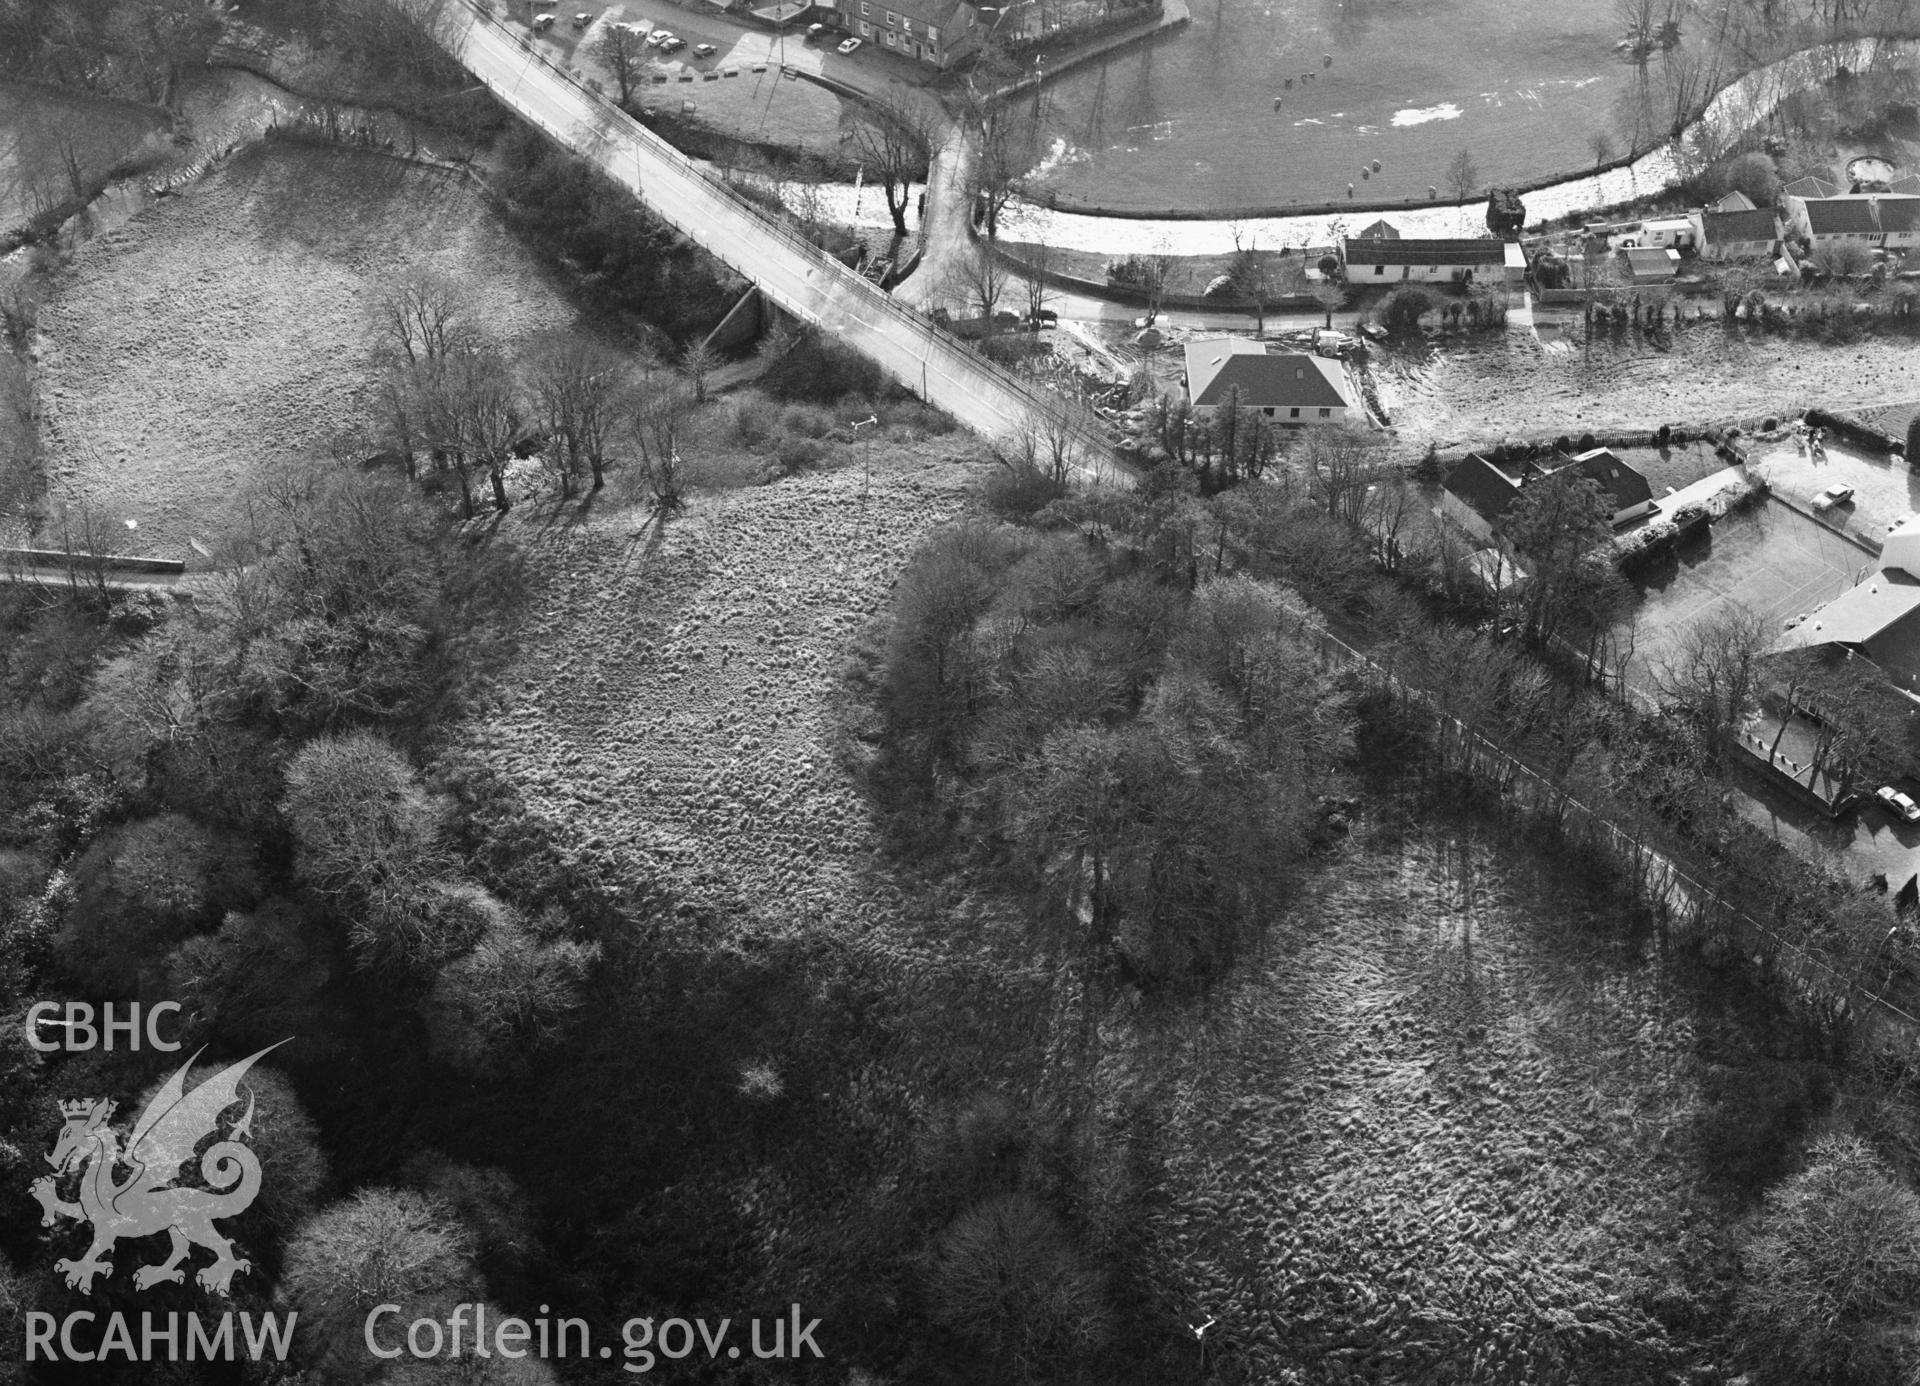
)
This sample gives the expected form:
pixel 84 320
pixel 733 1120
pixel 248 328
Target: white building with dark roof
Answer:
pixel 1287 387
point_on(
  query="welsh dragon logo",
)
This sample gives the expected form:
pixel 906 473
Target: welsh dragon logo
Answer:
pixel 147 1200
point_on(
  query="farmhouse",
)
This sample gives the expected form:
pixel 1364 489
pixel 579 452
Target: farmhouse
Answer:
pixel 1287 387
pixel 1385 259
pixel 1748 234
pixel 936 32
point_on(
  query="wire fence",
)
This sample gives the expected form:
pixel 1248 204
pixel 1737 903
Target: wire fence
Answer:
pixel 972 378
pixel 1681 902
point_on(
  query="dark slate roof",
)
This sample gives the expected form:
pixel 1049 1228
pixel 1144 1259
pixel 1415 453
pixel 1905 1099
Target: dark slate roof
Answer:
pixel 1649 261
pixel 1832 216
pixel 1627 487
pixel 1899 213
pixel 1906 183
pixel 1486 489
pixel 1382 230
pixel 1812 187
pixel 1732 228
pixel 1376 250
pixel 1292 381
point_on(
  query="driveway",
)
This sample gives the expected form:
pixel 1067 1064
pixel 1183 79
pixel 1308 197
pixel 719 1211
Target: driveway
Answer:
pixel 1886 490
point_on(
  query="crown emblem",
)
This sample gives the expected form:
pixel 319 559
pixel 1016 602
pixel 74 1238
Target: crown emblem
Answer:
pixel 79 1107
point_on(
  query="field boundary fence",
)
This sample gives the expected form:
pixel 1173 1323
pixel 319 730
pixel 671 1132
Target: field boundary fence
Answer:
pixel 973 377
pixel 1683 904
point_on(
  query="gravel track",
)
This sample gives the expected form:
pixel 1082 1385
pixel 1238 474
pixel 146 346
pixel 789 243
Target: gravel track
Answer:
pixel 229 325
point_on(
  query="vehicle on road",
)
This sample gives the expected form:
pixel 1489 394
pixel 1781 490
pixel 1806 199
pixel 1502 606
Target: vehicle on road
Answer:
pixel 1833 496
pixel 850 45
pixel 704 50
pixel 1898 804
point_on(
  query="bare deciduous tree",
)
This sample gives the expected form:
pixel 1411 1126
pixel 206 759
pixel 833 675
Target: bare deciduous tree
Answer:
pixel 656 418
pixel 1463 176
pixel 624 52
pixel 893 147
pixel 573 386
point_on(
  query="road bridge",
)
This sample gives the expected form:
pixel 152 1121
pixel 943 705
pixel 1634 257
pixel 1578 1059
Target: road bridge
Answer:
pixel 803 279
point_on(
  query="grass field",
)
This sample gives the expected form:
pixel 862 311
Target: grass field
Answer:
pixel 230 324
pixel 1457 1124
pixel 40 126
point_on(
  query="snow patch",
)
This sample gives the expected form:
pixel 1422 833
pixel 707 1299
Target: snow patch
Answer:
pixel 1420 115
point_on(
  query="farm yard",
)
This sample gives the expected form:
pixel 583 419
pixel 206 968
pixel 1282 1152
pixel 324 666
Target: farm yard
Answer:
pixel 42 126
pixel 230 324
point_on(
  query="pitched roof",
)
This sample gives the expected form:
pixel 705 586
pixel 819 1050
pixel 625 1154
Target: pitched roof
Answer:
pixel 1482 487
pixel 1265 380
pixel 1382 230
pixel 1627 487
pixel 1898 213
pixel 1907 183
pixel 1732 228
pixel 1811 187
pixel 1857 614
pixel 1833 216
pixel 1377 250
pixel 1735 201
pixel 1650 262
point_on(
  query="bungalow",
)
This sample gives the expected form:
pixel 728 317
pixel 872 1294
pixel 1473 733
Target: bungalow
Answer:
pixel 1287 387
pixel 1650 266
pixel 1749 234
pixel 1869 219
pixel 1385 259
pixel 938 33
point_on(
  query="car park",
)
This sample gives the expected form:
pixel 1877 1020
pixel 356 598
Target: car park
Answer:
pixel 1833 496
pixel 1900 805
pixel 850 45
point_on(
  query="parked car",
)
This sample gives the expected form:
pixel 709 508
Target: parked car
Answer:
pixel 704 50
pixel 815 30
pixel 1898 804
pixel 543 22
pixel 582 20
pixel 850 45
pixel 657 37
pixel 670 44
pixel 1833 496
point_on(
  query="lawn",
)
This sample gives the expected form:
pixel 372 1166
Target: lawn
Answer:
pixel 229 324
